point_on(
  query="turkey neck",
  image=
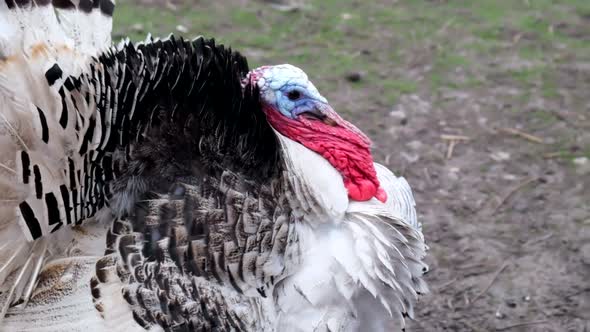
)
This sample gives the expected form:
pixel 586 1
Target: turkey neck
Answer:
pixel 314 187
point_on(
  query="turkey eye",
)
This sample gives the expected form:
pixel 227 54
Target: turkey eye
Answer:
pixel 294 95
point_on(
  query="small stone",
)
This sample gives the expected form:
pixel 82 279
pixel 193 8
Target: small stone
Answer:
pixel 137 27
pixel 453 174
pixel 581 161
pixel 509 177
pixel 511 303
pixel 401 115
pixel 181 28
pixel 411 158
pixel 526 298
pixel 414 145
pixel 500 315
pixel 346 16
pixel 500 156
pixel 455 95
pixel 397 114
pixel 354 76
pixel 284 6
pixel 171 6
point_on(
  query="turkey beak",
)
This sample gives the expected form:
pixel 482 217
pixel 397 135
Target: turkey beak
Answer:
pixel 331 118
pixel 330 122
pixel 323 112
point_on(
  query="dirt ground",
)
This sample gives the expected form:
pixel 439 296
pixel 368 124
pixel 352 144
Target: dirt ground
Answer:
pixel 507 228
pixel 507 222
pixel 489 122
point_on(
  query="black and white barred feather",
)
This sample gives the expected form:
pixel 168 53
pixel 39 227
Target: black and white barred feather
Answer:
pixel 127 98
pixel 41 44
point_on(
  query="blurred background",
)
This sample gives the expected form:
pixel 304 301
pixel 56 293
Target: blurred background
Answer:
pixel 483 105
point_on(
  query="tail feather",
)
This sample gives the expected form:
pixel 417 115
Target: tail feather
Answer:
pixel 13 257
pixel 88 24
pixel 66 279
pixel 83 25
pixel 42 129
pixel 24 277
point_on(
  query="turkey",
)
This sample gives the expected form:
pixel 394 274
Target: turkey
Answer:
pixel 165 186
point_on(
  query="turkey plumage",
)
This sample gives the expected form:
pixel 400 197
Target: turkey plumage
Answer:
pixel 166 186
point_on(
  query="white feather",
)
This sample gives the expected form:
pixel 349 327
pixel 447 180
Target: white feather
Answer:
pixel 62 302
pixel 32 40
pixel 357 263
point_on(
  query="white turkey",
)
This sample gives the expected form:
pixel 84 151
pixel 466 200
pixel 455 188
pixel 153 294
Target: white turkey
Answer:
pixel 164 186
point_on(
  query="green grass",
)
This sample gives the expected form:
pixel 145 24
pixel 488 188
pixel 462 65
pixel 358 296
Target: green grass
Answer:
pixel 544 117
pixel 569 155
pixel 331 38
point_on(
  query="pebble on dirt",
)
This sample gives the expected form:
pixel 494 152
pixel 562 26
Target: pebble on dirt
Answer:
pixel 354 76
pixel 181 28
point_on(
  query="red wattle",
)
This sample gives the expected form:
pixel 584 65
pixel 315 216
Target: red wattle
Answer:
pixel 344 146
pixel 381 195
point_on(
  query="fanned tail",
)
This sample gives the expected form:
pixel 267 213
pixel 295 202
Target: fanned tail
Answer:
pixel 42 43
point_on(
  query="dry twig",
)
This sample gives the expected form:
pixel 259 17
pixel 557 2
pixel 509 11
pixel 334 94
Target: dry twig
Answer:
pixel 450 304
pixel 537 240
pixel 450 149
pixel 559 154
pixel 513 191
pixel 516 38
pixel 551 155
pixel 448 137
pixel 453 140
pixel 504 265
pixel 446 25
pixel 445 285
pixel 522 134
pixel 509 327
